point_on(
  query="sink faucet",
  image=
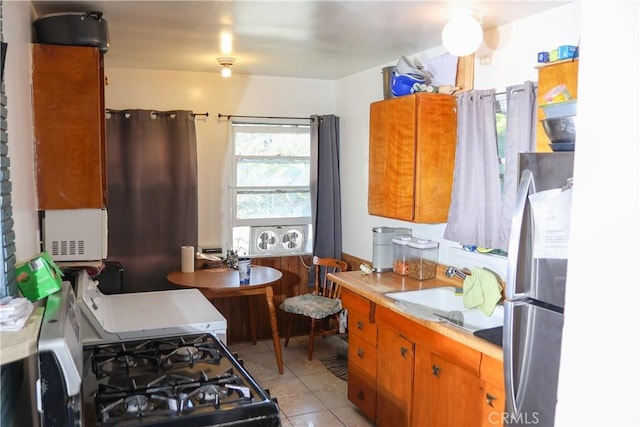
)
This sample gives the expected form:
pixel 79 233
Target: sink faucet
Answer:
pixel 452 271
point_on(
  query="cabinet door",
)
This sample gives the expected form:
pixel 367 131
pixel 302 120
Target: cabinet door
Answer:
pixel 435 157
pixel 492 395
pixel 395 378
pixel 452 398
pixel 493 404
pixel 392 136
pixel 412 142
pixel 69 126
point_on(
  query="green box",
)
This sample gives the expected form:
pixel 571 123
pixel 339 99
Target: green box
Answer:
pixel 38 277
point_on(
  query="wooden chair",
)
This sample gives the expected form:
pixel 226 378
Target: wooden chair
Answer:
pixel 321 305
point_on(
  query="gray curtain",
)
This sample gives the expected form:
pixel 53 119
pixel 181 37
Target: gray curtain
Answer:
pixel 475 207
pixel 325 186
pixel 152 202
pixel 521 138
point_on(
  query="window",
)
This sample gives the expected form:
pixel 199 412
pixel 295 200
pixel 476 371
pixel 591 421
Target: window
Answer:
pixel 270 167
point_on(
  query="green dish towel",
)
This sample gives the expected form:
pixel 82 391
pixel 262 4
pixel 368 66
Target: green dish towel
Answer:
pixel 481 289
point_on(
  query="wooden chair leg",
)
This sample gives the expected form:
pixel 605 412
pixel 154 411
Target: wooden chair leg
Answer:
pixel 311 337
pixel 289 317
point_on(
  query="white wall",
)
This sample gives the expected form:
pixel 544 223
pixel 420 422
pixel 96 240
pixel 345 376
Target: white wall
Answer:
pixel 513 51
pixel 599 370
pixel 208 92
pixel 17 18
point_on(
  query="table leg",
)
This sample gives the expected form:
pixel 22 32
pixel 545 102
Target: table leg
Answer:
pixel 274 328
pixel 253 317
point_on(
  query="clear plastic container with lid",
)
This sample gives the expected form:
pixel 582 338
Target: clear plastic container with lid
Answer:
pixel 422 259
pixel 400 252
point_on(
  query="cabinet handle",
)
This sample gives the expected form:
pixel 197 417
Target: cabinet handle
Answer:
pixel 403 352
pixel 435 370
pixel 360 395
pixel 360 353
pixel 490 399
pixel 360 324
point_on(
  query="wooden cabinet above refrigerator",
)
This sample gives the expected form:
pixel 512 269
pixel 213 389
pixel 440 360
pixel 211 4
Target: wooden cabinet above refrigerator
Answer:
pixel 69 126
pixel 412 144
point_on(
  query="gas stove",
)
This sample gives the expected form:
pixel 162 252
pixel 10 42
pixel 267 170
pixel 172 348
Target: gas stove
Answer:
pixel 187 380
pixel 182 379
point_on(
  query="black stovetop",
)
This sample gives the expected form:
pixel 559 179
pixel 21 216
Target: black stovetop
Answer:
pixel 190 380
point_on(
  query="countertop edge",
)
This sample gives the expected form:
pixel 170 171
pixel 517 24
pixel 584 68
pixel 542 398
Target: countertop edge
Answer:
pixel 373 288
pixel 17 345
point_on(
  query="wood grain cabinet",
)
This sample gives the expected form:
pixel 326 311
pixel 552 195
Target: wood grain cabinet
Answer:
pixel 550 76
pixel 396 359
pixel 492 395
pixel 452 397
pixel 422 378
pixel 69 126
pixel 363 357
pixel 412 141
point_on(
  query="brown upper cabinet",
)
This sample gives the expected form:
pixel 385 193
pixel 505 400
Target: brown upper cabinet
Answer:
pixel 412 143
pixel 550 76
pixel 69 127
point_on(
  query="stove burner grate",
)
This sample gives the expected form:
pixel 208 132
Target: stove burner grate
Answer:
pixel 153 355
pixel 162 381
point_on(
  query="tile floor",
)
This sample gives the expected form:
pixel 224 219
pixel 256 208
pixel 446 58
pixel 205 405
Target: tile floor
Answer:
pixel 307 393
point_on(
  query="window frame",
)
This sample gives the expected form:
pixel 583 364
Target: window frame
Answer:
pixel 234 190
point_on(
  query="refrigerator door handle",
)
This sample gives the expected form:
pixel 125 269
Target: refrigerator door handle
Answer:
pixel 526 187
pixel 507 344
pixel 517 372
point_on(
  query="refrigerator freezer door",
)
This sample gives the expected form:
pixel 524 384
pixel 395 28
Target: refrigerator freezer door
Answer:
pixel 531 363
pixel 541 279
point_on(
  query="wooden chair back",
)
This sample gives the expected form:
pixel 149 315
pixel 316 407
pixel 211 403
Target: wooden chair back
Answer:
pixel 323 285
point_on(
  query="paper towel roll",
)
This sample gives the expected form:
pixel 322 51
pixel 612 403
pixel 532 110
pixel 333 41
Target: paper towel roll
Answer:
pixel 187 259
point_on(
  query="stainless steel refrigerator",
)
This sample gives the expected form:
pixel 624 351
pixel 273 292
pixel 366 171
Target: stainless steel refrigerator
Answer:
pixel 535 289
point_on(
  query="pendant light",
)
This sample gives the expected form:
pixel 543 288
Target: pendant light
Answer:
pixel 226 62
pixel 462 35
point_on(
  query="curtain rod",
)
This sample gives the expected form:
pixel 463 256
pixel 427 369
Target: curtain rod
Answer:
pixel 228 116
pixel 505 92
pixel 159 113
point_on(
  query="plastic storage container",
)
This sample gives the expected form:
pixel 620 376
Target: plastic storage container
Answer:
pixel 560 109
pixel 422 259
pixel 400 255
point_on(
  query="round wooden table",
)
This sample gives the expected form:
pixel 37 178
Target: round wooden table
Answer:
pixel 225 282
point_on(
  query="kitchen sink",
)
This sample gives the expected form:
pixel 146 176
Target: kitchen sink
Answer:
pixel 442 304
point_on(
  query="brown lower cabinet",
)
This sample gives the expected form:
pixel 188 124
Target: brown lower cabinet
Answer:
pixel 237 310
pixel 421 378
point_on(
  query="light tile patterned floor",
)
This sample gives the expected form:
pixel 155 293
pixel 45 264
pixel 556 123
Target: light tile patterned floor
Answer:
pixel 307 393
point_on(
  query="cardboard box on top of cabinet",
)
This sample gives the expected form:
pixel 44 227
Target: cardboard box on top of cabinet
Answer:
pixel 38 277
pixel 567 52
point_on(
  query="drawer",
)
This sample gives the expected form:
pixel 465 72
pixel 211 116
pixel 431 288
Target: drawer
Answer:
pixel 362 354
pixel 361 391
pixel 355 303
pixel 360 326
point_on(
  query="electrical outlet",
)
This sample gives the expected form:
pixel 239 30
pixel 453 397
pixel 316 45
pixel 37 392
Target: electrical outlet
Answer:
pixel 485 60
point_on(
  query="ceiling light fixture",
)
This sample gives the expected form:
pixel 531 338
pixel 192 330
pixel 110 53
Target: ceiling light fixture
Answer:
pixel 226 62
pixel 462 35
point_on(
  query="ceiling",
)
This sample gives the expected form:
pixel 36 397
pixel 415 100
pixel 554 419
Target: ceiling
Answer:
pixel 306 39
